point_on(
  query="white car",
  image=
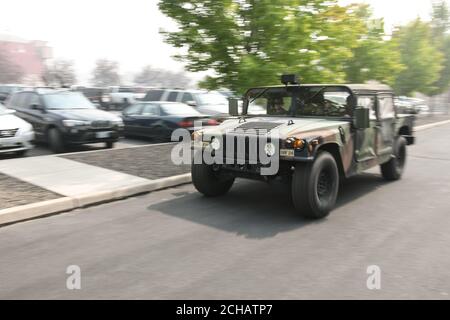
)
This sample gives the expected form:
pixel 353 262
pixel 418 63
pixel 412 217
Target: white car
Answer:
pixel 16 134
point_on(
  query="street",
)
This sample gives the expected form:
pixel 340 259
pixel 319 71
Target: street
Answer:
pixel 249 244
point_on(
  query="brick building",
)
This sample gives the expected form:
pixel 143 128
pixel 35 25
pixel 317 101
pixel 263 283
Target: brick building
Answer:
pixel 30 56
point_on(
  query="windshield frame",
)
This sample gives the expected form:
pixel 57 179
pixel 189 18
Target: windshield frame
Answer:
pixel 295 90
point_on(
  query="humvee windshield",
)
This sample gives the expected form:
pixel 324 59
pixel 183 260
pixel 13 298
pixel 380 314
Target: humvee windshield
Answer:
pixel 300 101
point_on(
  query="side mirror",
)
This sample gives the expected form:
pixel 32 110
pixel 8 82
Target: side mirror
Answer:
pixel 233 107
pixel 191 103
pixel 361 118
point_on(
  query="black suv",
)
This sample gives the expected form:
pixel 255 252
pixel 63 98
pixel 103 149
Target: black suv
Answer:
pixel 63 118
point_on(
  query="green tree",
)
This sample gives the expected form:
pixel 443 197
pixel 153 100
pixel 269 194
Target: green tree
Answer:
pixel 60 72
pixel 423 61
pixel 251 42
pixel 105 73
pixel 375 57
pixel 440 24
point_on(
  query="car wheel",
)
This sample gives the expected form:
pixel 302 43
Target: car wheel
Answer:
pixel 209 182
pixel 393 169
pixel 21 153
pixel 55 140
pixel 109 144
pixel 315 186
pixel 160 135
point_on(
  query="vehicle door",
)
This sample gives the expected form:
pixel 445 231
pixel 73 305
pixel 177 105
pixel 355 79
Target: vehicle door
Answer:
pixel 365 140
pixel 17 102
pixel 150 120
pixel 37 115
pixel 385 124
pixel 131 118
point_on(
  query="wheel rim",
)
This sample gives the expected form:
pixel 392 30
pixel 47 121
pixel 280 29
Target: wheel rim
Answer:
pixel 324 185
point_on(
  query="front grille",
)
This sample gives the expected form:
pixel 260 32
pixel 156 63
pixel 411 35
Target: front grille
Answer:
pixel 242 152
pixel 8 133
pixel 100 124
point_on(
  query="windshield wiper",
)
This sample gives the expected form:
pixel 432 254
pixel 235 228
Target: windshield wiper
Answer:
pixel 258 95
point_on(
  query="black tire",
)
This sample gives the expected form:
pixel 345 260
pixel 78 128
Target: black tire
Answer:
pixel 315 186
pixel 55 141
pixel 393 169
pixel 160 135
pixel 109 144
pixel 208 182
pixel 21 153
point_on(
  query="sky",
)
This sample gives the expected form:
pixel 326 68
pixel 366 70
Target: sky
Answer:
pixel 128 30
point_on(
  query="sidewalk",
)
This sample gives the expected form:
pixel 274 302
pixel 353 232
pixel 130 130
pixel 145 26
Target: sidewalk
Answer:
pixel 88 178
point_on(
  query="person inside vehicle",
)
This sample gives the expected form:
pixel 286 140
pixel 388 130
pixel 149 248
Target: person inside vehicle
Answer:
pixel 277 107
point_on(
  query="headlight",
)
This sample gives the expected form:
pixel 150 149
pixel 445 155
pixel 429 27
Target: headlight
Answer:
pixel 215 143
pixel 75 123
pixel 270 149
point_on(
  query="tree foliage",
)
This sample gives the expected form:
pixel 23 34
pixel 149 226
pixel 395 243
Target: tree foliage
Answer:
pixel 150 76
pixel 106 73
pixel 60 73
pixel 250 42
pixel 375 57
pixel 421 58
pixel 440 25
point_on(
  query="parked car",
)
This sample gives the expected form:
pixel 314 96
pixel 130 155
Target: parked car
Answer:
pixel 158 120
pixel 407 105
pixel 94 94
pixel 7 90
pixel 120 97
pixel 61 118
pixel 16 134
pixel 206 102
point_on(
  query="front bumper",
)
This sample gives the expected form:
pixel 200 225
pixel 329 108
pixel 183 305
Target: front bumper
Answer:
pixel 84 136
pixel 20 142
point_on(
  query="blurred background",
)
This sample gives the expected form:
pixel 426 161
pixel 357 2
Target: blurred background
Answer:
pixel 228 45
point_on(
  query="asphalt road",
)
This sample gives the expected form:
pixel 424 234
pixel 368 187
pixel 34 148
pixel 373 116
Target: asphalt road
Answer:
pixel 250 243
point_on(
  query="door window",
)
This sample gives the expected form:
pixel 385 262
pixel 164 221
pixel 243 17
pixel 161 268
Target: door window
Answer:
pixel 368 102
pixel 33 100
pixel 187 97
pixel 150 110
pixel 133 110
pixel 386 107
pixel 172 96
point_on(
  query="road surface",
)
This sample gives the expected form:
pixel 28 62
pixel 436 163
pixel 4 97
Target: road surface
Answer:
pixel 249 244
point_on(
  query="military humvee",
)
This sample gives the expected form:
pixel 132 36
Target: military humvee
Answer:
pixel 324 133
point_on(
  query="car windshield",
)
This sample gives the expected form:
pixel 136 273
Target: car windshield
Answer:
pixel 179 109
pixel 212 98
pixel 67 100
pixel 300 101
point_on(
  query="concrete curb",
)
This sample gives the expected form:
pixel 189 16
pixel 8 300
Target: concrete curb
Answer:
pixel 39 209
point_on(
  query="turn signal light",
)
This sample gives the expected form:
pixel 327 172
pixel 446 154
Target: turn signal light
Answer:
pixel 298 144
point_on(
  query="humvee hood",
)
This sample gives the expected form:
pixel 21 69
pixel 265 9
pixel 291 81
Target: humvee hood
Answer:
pixel 286 126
